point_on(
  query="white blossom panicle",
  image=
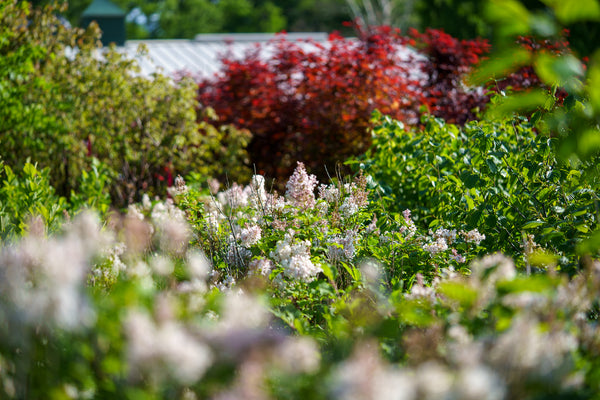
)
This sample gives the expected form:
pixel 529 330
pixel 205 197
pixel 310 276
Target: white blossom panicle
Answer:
pixel 43 279
pixel 134 212
pixel 179 188
pixel 343 247
pixel 298 355
pixel 372 227
pixel 146 203
pixel 365 376
pixel 213 185
pixel 166 349
pixel 479 382
pixel 114 254
pixel 473 236
pixel 258 194
pixel 409 229
pixel 459 258
pixel 501 267
pixel 226 283
pixel 420 291
pixel 234 197
pixel 329 193
pixel 322 208
pixel 529 245
pixel 301 267
pixel 533 351
pixel 370 271
pixel 250 235
pixel 300 188
pixel 242 311
pixel 274 203
pixel 263 266
pixel 349 207
pixel 172 228
pixel 448 235
pixel 162 265
pixel 199 266
pixel 436 247
pixel 295 258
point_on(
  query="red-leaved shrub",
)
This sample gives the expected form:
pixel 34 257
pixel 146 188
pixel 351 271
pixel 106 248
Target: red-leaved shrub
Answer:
pixel 314 104
pixel 448 61
pixel 525 77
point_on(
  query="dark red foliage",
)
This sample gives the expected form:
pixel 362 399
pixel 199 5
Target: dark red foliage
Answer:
pixel 314 105
pixel 449 59
pixel 526 77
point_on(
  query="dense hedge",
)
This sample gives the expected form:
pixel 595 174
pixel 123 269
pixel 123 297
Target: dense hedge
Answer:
pixel 66 101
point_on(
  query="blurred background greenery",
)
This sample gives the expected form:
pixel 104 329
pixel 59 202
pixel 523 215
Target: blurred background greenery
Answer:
pixel 463 19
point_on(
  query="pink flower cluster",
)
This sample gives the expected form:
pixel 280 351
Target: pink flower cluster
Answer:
pixel 300 188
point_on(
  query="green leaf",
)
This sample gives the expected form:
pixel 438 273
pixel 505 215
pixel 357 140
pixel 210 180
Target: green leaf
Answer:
pixel 459 292
pixel 593 82
pixel 559 70
pixel 590 245
pixel 533 224
pixel 500 65
pixel 327 271
pixel 534 283
pixel 511 16
pixel 569 11
pixel 521 102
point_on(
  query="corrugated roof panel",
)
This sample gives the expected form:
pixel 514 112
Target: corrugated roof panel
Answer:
pixel 202 57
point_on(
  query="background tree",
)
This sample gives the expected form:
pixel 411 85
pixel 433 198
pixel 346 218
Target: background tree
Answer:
pixel 63 109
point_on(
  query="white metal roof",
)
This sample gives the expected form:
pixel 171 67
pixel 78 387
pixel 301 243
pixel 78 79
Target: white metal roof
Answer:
pixel 201 55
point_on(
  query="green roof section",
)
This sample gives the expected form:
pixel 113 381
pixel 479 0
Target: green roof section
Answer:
pixel 103 8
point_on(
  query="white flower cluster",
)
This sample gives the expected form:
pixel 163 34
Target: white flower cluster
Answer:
pixel 165 347
pixel 179 188
pixel 473 236
pixel 43 279
pixel 457 257
pixel 436 246
pixel 250 235
pixel 448 235
pixel 342 247
pixel 235 197
pixel 264 266
pixel 493 268
pixel 329 193
pixel 172 227
pixel 294 257
pixel 298 355
pixel 409 229
pixel 300 188
pixel 420 290
pixel 349 207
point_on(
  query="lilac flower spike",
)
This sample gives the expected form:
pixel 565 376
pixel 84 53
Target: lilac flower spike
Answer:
pixel 300 189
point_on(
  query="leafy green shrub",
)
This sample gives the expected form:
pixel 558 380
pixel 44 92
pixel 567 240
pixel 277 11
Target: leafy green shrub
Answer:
pixel 65 101
pixel 314 248
pixel 169 325
pixel 29 203
pixel 500 177
pixel 24 196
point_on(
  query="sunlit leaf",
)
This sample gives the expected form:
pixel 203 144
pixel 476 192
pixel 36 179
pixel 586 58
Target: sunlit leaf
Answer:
pixel 511 16
pixel 558 70
pixel 500 65
pixel 569 11
pixel 593 82
pixel 520 102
